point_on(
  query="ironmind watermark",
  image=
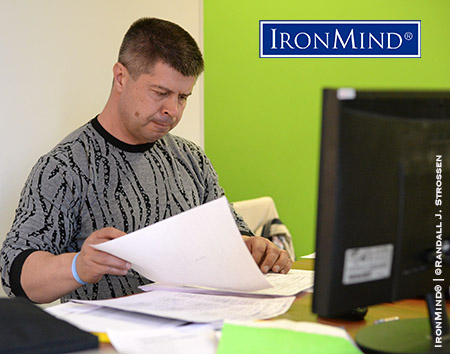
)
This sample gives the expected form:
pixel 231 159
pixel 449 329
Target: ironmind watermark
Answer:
pixel 439 296
pixel 339 39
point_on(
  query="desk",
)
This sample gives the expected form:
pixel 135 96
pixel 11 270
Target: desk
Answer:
pixel 301 308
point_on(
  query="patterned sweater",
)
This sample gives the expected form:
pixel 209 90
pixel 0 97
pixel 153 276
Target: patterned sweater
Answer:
pixel 92 180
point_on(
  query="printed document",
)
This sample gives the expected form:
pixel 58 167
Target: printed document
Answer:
pixel 198 307
pixel 102 319
pixel 199 247
pixel 289 284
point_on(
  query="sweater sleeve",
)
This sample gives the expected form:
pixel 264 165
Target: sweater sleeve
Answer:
pixel 44 221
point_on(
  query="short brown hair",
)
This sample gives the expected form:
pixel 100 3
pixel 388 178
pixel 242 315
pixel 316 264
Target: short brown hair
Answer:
pixel 150 40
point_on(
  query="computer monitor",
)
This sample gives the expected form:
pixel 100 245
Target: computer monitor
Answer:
pixel 383 222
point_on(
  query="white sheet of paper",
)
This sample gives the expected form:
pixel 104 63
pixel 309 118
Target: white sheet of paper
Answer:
pixel 102 319
pixel 199 307
pixel 193 339
pixel 289 284
pixel 199 247
pixel 310 256
pixel 294 282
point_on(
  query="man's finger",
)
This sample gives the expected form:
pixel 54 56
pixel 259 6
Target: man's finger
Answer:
pixel 283 263
pixel 257 247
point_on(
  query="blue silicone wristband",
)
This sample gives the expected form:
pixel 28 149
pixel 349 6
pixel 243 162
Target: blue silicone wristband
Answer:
pixel 74 270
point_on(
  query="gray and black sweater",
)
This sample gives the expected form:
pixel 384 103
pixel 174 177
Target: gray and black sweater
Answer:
pixel 90 181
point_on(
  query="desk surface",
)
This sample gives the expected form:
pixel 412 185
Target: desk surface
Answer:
pixel 301 309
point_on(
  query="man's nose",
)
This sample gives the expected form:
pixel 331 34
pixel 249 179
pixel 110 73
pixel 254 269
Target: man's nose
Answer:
pixel 171 107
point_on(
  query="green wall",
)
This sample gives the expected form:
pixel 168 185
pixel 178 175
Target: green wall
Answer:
pixel 262 116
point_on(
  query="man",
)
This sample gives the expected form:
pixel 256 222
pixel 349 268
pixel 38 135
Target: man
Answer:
pixel 116 174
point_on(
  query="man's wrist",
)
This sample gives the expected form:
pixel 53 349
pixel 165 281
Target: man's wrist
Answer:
pixel 74 270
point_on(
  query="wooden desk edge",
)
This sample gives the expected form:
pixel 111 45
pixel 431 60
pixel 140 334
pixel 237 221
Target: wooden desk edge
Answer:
pixel 301 309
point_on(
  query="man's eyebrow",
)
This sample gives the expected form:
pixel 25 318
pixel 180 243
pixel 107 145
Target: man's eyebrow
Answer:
pixel 169 90
pixel 161 87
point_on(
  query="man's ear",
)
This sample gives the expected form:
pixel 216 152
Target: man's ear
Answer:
pixel 120 74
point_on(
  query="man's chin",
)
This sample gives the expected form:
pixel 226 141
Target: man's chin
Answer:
pixel 151 138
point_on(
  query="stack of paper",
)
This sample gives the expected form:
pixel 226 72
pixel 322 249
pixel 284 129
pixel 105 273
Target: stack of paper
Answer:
pixel 289 284
pixel 100 319
pixel 201 247
pixel 204 273
pixel 199 307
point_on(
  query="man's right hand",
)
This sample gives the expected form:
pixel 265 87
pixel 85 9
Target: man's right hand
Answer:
pixel 46 277
pixel 92 264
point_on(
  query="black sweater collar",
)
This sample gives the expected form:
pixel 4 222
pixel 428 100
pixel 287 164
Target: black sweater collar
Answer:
pixel 116 142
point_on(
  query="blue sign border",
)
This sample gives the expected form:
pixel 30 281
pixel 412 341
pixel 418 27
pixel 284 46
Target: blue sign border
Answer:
pixel 296 55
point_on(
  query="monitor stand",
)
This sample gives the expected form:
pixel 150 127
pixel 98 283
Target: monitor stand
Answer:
pixel 418 335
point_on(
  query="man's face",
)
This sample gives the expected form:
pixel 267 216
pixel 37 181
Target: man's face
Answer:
pixel 152 105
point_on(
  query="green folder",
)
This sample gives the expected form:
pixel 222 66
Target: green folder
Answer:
pixel 237 339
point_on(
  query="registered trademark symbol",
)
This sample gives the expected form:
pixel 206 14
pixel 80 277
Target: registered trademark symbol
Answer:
pixel 408 36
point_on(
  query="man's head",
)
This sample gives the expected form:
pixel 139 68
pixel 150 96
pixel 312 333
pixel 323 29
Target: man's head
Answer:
pixel 159 63
pixel 150 40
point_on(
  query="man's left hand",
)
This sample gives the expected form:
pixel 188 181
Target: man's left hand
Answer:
pixel 267 255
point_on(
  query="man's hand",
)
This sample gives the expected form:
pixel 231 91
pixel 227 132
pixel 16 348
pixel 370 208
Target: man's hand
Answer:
pixel 46 277
pixel 92 264
pixel 267 255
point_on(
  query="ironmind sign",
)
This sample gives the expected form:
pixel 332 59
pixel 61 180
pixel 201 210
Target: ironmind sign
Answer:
pixel 339 39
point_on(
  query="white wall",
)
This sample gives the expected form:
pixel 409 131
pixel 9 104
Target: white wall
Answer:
pixel 56 58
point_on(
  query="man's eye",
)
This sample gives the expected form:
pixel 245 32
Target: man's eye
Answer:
pixel 161 93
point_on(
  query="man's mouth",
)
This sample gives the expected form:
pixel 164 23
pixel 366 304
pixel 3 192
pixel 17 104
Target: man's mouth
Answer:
pixel 164 123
